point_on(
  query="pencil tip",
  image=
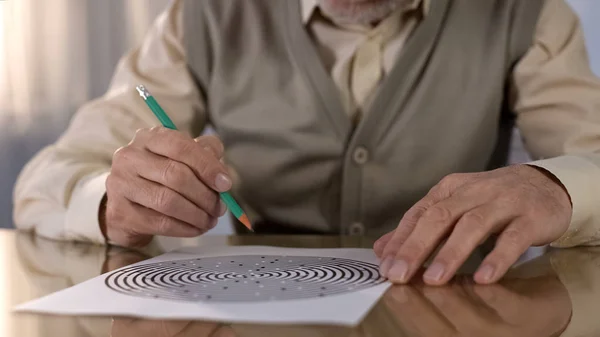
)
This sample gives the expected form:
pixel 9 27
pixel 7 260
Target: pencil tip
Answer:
pixel 244 219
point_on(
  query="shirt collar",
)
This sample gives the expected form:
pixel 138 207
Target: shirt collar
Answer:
pixel 309 7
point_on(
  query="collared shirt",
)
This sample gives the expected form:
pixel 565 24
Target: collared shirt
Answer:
pixel 554 94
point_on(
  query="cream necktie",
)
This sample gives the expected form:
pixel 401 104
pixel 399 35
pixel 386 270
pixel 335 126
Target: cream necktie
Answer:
pixel 367 64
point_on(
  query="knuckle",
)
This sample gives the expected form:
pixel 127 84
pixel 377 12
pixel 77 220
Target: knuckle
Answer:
pixel 164 200
pixel 438 214
pixel 412 249
pixel 173 174
pixel 120 154
pixel 163 224
pixel 451 254
pixel 451 180
pixel 414 213
pixel 473 221
pixel 140 134
pixel 124 155
pixel 184 148
pixel 514 238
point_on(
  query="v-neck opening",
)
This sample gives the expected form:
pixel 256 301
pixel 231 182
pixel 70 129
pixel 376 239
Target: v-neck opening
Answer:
pixel 395 89
pixel 305 54
pixel 409 63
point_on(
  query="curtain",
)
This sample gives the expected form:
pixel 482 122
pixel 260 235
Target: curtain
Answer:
pixel 54 56
pixel 57 54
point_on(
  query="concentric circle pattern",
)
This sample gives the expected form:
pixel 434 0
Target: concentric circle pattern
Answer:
pixel 247 278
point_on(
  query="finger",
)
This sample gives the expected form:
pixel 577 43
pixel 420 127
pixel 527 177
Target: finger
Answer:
pixel 511 244
pixel 381 243
pixel 405 227
pixel 470 230
pixel 439 192
pixel 149 221
pixel 415 313
pixel 178 177
pixel 212 144
pixel 177 146
pixel 433 225
pixel 162 200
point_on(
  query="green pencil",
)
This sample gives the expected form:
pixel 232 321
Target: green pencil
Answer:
pixel 167 123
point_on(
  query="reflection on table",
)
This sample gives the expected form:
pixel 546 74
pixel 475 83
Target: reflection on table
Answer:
pixel 556 294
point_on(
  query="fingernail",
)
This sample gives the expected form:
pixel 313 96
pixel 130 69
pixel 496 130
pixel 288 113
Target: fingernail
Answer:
pixel 222 208
pixel 398 271
pixel 435 272
pixel 222 183
pixel 485 273
pixel 385 266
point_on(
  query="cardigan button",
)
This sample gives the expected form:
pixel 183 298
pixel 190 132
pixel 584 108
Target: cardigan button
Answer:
pixel 360 155
pixel 356 229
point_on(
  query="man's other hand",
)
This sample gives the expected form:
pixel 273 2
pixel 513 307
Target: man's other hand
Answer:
pixel 164 183
pixel 524 205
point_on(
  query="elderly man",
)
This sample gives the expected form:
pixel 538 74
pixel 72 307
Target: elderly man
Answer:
pixel 340 117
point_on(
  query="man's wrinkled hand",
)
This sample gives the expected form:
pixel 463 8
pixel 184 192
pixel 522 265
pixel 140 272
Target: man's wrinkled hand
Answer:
pixel 164 183
pixel 525 206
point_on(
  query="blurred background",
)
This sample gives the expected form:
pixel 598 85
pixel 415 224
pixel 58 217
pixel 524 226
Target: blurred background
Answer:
pixel 57 54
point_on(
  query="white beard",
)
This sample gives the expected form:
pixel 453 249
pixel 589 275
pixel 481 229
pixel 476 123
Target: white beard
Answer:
pixel 359 11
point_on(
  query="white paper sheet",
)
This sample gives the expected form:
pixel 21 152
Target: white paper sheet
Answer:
pixel 249 284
